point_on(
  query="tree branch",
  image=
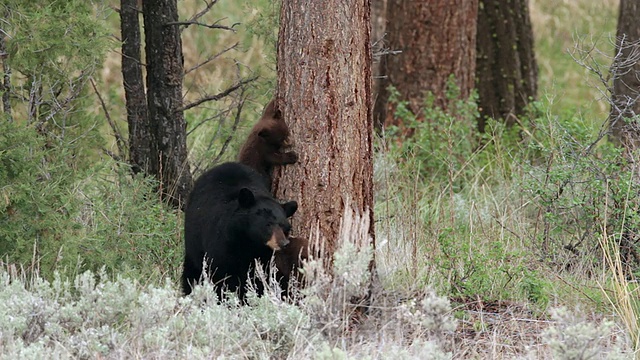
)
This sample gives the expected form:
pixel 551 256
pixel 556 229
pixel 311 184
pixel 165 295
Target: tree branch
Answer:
pixel 234 127
pixel 211 26
pixel 217 96
pixel 211 58
pixel 120 143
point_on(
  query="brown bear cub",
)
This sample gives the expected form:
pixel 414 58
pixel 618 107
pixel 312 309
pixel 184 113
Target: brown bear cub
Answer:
pixel 264 146
pixel 289 261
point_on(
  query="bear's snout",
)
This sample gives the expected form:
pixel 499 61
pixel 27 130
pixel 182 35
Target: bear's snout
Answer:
pixel 278 240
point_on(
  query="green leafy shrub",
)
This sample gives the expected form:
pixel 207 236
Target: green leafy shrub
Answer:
pixel 36 202
pixel 53 217
pixel 442 141
pixel 581 186
pixel 488 270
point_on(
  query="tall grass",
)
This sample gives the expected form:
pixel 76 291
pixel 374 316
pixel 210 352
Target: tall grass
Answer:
pixel 624 296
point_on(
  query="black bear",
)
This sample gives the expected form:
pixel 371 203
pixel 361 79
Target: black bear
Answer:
pixel 288 262
pixel 231 219
pixel 264 146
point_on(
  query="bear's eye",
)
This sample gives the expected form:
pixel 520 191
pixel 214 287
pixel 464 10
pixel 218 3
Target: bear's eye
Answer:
pixel 286 228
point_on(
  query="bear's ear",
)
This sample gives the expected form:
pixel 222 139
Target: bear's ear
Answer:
pixel 246 198
pixel 290 208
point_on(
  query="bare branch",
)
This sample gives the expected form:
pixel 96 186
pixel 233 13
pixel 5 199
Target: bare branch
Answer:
pixel 219 115
pixel 211 26
pixel 234 127
pixel 111 154
pixel 120 143
pixel 35 99
pixel 203 11
pixel 211 58
pixel 627 55
pixel 218 96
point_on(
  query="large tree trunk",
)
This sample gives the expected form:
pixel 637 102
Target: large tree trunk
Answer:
pixel 506 67
pixel 437 40
pixel 625 106
pixel 324 90
pixel 136 100
pixel 163 47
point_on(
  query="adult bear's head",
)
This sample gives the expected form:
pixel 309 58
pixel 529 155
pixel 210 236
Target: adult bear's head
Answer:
pixel 262 221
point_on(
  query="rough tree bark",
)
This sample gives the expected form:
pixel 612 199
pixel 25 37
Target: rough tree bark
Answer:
pixel 506 68
pixel 6 79
pixel 625 104
pixel 437 39
pixel 324 90
pixel 163 48
pixel 135 97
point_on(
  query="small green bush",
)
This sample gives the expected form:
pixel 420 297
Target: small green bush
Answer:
pixel 442 141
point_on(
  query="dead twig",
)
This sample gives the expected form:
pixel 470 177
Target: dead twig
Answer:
pixel 120 142
pixel 234 127
pixel 211 58
pixel 211 26
pixel 218 96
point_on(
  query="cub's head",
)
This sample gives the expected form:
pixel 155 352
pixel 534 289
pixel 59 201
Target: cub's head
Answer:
pixel 273 129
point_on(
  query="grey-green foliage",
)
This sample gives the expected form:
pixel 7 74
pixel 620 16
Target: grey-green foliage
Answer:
pixel 94 316
pixel 116 317
pixel 575 338
pixel 578 182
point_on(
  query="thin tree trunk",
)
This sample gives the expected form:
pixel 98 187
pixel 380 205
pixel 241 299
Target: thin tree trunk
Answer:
pixel 324 90
pixel 436 40
pixel 6 81
pixel 506 68
pixel 163 47
pixel 136 100
pixel 625 106
pixel 379 42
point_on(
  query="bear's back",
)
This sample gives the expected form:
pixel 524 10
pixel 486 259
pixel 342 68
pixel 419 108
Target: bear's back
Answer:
pixel 214 197
pixel 221 184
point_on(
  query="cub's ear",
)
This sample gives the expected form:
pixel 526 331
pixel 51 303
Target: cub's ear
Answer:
pixel 246 198
pixel 290 208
